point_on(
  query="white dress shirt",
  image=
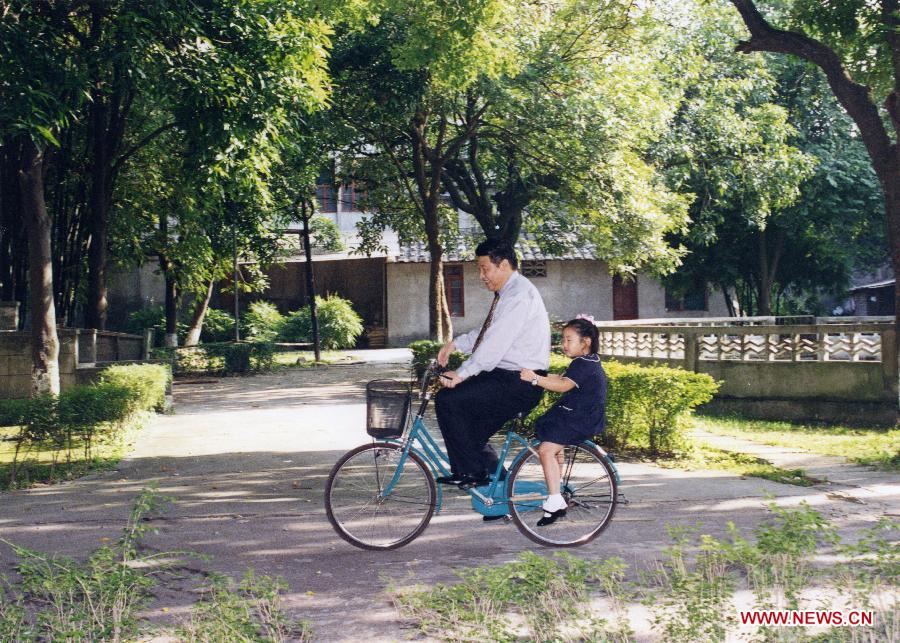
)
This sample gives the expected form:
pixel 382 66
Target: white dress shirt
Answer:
pixel 519 334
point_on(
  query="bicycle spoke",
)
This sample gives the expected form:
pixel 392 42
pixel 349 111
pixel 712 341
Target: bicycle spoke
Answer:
pixel 361 511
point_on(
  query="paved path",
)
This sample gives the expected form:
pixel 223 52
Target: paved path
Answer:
pixel 246 460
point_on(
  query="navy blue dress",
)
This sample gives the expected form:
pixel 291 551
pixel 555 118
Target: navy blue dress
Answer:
pixel 580 413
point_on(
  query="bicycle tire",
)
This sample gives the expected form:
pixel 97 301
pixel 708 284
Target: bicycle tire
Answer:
pixel 588 485
pixel 361 515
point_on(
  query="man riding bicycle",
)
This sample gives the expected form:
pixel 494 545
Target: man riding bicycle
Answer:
pixel 487 391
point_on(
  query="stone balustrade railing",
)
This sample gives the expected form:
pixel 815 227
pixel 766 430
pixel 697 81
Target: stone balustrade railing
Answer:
pixel 860 342
pixel 842 372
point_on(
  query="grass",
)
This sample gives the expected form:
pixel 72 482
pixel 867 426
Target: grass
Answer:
pixel 57 598
pixel 704 456
pixel 879 448
pixel 306 359
pixel 45 463
pixel 691 592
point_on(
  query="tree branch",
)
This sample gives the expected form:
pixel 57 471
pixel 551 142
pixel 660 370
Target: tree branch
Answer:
pixel 855 98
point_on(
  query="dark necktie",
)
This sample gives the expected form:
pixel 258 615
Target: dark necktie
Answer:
pixel 487 321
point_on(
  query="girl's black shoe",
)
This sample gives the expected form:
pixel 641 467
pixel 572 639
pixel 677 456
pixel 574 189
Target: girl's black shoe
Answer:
pixel 551 517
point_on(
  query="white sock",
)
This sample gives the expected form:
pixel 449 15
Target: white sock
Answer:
pixel 554 502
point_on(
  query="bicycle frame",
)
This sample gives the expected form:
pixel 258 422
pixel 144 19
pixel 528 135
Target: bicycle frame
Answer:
pixel 420 441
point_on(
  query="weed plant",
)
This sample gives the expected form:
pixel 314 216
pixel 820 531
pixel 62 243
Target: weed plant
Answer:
pixel 94 600
pixel 691 591
pixel 250 612
pixel 534 598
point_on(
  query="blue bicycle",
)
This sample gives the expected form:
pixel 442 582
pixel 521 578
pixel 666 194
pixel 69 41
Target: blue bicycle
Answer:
pixel 382 495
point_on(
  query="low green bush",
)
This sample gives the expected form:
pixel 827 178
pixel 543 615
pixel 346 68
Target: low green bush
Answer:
pixel 218 326
pixel 147 382
pixel 425 350
pixel 646 407
pixel 243 357
pixel 220 358
pixel 261 322
pixel 339 325
pixel 52 430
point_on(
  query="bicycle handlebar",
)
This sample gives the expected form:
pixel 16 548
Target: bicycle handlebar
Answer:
pixel 428 376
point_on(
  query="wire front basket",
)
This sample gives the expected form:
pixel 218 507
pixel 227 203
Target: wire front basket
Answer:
pixel 387 408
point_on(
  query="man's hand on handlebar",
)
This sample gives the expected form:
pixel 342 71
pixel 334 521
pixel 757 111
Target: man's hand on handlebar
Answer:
pixel 450 379
pixel 445 352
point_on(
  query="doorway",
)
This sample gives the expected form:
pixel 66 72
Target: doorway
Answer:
pixel 625 300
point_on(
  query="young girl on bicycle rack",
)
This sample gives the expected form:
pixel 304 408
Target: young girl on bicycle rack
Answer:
pixel 578 415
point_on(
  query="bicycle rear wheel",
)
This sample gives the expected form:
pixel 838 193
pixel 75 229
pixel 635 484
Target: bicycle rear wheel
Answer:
pixel 358 507
pixel 588 485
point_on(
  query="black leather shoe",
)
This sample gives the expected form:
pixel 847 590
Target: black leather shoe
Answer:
pixel 550 518
pixel 471 481
pixel 454 479
pixel 493 518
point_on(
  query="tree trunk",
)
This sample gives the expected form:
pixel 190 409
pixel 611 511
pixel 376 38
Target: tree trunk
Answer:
pixel 44 340
pixel 193 332
pixel 440 327
pixel 729 302
pixel 95 313
pixel 764 284
pixel 306 211
pixel 429 169
pixel 171 306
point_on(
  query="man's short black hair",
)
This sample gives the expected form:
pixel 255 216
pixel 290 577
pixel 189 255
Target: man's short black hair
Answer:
pixel 497 250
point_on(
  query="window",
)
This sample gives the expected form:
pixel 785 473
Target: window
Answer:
pixel 351 196
pixel 453 284
pixel 325 197
pixel 694 299
pixel 534 268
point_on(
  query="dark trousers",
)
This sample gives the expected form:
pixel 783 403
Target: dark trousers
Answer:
pixel 471 413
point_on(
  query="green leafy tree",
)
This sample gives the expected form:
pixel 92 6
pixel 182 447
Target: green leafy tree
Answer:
pixel 731 146
pixel 393 81
pixel 856 44
pixel 560 150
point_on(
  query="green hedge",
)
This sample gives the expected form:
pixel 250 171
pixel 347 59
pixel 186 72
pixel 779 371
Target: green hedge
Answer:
pixel 67 427
pixel 425 350
pixel 646 406
pixel 223 358
pixel 147 382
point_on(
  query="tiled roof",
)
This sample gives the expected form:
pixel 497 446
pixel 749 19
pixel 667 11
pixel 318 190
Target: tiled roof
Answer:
pixel 463 249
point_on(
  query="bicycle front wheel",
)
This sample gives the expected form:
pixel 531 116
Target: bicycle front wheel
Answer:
pixel 362 508
pixel 588 485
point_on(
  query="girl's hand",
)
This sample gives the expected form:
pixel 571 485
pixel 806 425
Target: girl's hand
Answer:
pixel 527 375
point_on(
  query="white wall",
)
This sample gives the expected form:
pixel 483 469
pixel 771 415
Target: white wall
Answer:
pixel 570 288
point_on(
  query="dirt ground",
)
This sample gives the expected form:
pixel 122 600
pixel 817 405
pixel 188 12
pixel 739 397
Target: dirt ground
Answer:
pixel 246 461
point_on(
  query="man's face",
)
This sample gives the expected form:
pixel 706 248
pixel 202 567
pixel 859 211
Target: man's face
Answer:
pixel 492 276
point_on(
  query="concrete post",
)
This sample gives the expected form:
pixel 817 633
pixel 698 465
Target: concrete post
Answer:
pixel 148 344
pixel 691 350
pixel 9 315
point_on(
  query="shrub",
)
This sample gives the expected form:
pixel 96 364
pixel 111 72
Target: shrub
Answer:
pixel 218 326
pixel 219 358
pixel 262 321
pixel 339 325
pixel 425 350
pixel 243 357
pixel 147 382
pixel 155 318
pixel 646 407
pixel 70 422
